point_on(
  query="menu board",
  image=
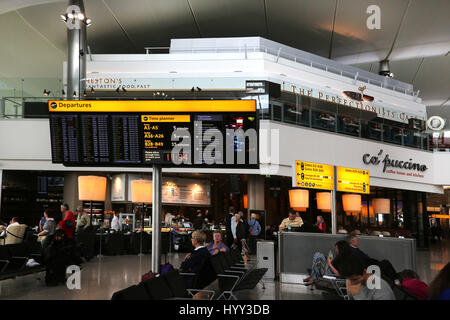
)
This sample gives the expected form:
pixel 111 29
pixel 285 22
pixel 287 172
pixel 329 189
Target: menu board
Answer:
pixel 179 190
pixel 352 180
pixel 143 133
pixel 312 175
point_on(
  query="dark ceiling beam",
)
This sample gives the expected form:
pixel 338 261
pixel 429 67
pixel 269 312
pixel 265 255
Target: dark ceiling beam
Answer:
pixel 332 30
pixel 195 19
pixel 266 18
pixel 137 50
pixel 398 29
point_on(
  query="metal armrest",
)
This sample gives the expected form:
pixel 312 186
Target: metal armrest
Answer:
pixel 187 274
pixel 6 265
pixel 234 271
pixel 25 259
pixel 230 276
pixel 201 290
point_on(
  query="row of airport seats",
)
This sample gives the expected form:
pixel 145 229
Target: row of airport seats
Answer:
pixel 227 268
pixel 118 243
pixel 14 258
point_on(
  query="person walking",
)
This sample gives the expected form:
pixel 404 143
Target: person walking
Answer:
pixel 255 230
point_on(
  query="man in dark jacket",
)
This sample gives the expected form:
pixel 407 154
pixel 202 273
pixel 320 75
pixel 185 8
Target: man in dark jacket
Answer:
pixel 194 260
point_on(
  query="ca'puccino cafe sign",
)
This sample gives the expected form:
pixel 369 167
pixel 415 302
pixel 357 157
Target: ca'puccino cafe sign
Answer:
pixel 390 165
pixel 381 111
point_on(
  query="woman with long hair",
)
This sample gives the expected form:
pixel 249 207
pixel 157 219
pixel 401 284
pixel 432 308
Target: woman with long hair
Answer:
pixel 330 265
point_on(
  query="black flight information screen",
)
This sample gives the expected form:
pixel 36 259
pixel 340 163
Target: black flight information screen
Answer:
pixel 221 133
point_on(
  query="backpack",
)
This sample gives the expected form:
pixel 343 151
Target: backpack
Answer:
pixel 164 268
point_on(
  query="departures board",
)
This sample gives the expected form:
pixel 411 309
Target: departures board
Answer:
pixel 144 133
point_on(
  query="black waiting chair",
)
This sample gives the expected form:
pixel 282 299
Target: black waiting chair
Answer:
pixel 167 286
pixel 115 244
pixel 135 292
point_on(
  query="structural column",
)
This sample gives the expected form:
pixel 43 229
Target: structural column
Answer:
pixel 255 192
pixel 156 219
pixel 77 51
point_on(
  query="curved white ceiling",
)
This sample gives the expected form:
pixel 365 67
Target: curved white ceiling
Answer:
pixel 34 39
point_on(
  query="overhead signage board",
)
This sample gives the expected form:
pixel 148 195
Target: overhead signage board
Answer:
pixel 352 180
pixel 312 175
pixel 144 133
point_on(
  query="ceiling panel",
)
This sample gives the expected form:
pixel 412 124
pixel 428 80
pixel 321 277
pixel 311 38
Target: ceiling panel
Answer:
pixel 154 22
pixel 228 18
pixel 426 22
pixel 45 18
pixel 405 70
pixel 105 34
pixel 304 24
pixel 24 52
pixel 433 79
pixel 351 35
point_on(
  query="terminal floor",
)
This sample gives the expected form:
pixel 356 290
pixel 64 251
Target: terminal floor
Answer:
pixel 101 277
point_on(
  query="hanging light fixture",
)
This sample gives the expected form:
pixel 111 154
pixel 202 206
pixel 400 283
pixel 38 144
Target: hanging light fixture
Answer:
pixel 299 198
pixel 381 206
pixel 91 188
pixel 46 93
pixel 324 201
pixel 74 94
pixel 351 202
pixel 141 191
pixel 92 89
pixel 245 198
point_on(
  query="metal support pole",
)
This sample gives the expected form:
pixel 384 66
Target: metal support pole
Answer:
pixel 156 219
pixel 142 229
pixel 333 203
pixel 77 51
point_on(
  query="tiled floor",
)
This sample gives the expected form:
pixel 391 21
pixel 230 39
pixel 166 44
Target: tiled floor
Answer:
pixel 101 277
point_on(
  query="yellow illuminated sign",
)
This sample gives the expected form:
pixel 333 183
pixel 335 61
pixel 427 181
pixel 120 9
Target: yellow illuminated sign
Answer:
pixel 166 118
pixel 352 180
pixel 440 216
pixel 313 175
pixel 152 106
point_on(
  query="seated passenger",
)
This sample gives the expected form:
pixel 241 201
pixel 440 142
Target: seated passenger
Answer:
pixel 342 230
pixel 328 266
pixel 410 281
pixel 386 266
pixel 291 222
pixel 14 222
pixel 217 245
pixel 45 236
pixel 194 260
pixel 439 288
pixel 320 224
pixel 358 287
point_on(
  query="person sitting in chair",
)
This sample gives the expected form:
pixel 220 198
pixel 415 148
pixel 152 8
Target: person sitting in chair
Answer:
pixel 194 260
pixel 14 222
pixel 330 265
pixel 217 244
pixel 358 287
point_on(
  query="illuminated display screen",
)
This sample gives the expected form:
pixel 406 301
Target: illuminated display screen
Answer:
pixel 352 180
pixel 143 133
pixel 313 175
